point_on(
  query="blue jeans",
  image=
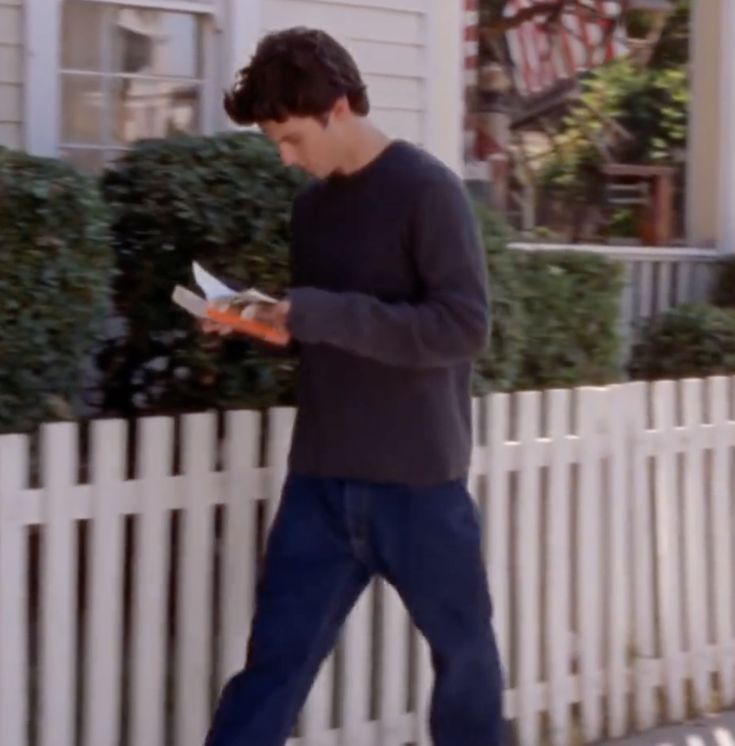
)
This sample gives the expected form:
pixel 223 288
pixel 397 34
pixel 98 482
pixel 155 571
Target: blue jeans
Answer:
pixel 328 539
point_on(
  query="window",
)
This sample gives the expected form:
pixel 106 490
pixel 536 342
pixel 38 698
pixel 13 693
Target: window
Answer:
pixel 128 72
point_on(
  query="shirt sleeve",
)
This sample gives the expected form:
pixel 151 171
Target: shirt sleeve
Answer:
pixel 447 325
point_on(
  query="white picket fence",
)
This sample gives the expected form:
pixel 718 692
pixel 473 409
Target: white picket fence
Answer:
pixel 127 574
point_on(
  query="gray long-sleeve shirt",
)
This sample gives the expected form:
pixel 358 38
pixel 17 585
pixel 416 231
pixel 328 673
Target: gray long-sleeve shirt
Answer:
pixel 389 307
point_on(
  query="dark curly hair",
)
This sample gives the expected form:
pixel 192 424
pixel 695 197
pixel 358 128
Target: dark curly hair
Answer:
pixel 297 72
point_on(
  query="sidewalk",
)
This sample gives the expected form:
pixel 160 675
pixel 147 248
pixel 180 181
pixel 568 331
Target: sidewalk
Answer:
pixel 712 730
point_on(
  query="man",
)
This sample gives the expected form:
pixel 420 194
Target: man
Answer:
pixel 387 310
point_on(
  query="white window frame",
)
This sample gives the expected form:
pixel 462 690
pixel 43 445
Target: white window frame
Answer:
pixel 224 52
pixel 444 128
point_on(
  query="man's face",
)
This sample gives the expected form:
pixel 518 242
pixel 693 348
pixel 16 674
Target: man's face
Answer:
pixel 306 143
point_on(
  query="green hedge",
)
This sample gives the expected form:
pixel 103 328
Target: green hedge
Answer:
pixel 499 367
pixel 54 286
pixel 695 340
pixel 570 316
pixel 555 316
pixel 224 201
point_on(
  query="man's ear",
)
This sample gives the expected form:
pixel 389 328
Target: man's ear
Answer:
pixel 341 109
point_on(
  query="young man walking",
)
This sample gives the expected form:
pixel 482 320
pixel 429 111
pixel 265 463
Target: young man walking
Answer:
pixel 388 308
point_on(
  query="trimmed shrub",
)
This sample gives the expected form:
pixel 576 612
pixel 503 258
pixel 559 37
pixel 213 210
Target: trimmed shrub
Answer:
pixel 498 368
pixel 224 201
pixel 694 340
pixel 54 286
pixel 570 318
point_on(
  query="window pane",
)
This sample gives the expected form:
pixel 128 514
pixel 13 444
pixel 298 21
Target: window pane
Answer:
pixel 83 109
pixel 81 41
pixel 153 108
pixel 153 42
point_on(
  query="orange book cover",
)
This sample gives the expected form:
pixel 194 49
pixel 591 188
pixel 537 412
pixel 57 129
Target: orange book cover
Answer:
pixel 227 306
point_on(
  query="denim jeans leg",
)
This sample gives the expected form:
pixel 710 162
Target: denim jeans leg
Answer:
pixel 429 547
pixel 310 582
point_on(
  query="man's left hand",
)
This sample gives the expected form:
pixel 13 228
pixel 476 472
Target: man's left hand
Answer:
pixel 275 314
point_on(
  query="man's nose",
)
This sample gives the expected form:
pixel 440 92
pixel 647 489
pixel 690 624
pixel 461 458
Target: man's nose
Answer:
pixel 287 157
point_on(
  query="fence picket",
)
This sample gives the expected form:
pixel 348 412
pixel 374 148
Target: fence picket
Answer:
pixel 695 580
pixel 394 665
pixel 721 533
pixel 589 573
pixel 13 592
pixel 281 424
pixel 356 665
pixel 644 646
pixel 155 448
pixel 528 568
pixel 618 565
pixel 644 580
pixel 667 541
pixel 424 684
pixel 104 652
pixel 194 590
pixel 59 622
pixel 240 540
pixel 316 717
pixel 556 563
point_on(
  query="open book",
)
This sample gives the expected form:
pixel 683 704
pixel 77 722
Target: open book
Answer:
pixel 227 306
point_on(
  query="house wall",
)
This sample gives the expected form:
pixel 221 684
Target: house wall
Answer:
pixel 409 51
pixel 11 73
pixel 387 39
pixel 410 54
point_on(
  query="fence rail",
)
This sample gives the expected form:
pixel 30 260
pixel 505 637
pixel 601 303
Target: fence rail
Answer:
pixel 129 555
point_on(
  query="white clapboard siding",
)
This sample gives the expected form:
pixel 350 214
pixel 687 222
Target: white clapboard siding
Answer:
pixel 608 536
pixel 350 21
pixel 390 44
pixel 401 94
pixel 389 60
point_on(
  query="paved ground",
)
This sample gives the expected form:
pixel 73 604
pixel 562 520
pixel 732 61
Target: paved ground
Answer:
pixel 714 730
